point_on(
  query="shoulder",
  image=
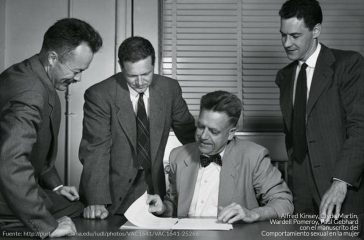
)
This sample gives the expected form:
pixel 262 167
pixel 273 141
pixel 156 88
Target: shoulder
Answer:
pixel 345 54
pixel 247 151
pixel 183 152
pixel 165 82
pixel 20 82
pixel 21 77
pixel 344 57
pixel 105 85
pixel 246 147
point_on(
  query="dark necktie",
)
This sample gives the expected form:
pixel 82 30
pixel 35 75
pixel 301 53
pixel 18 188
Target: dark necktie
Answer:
pixel 299 116
pixel 143 142
pixel 206 160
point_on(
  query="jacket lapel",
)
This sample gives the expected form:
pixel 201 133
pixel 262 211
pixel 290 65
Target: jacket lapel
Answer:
pixel 53 99
pixel 125 112
pixel 321 78
pixel 228 175
pixel 187 188
pixel 156 117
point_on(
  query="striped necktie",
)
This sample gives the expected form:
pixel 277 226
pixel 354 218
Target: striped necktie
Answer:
pixel 143 142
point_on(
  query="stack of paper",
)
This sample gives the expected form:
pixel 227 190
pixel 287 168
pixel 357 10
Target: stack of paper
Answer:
pixel 140 218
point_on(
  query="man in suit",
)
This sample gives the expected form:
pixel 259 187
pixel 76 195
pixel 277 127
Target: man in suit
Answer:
pixel 322 102
pixel 121 157
pixel 30 115
pixel 220 175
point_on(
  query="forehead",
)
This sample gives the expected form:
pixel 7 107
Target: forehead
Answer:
pixel 80 57
pixel 139 67
pixel 215 120
pixel 293 25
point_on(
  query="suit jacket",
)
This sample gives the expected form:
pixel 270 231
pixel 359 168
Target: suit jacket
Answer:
pixel 29 125
pixel 247 178
pixel 108 145
pixel 335 121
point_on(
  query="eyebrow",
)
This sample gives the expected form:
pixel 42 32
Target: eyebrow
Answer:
pixel 294 33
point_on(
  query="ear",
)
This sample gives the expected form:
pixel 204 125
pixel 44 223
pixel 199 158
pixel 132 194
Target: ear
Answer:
pixel 316 30
pixel 121 66
pixel 232 132
pixel 52 58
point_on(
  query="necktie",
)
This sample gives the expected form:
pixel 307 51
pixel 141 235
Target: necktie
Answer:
pixel 143 142
pixel 299 116
pixel 206 160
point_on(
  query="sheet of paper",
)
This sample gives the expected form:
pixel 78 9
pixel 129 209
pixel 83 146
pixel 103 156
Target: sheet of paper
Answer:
pixel 140 218
pixel 201 224
pixel 139 215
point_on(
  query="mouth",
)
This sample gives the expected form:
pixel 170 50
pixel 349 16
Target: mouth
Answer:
pixel 290 50
pixel 205 144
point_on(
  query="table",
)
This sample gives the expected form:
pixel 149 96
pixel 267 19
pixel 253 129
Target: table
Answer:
pixel 109 229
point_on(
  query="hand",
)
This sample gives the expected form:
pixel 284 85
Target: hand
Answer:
pixel 95 211
pixel 333 198
pixel 234 212
pixel 69 192
pixel 65 228
pixel 155 204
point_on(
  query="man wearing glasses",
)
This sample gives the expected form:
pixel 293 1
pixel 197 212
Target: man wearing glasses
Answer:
pixel 30 114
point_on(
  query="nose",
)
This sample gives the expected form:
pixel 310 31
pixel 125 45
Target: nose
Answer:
pixel 139 80
pixel 204 133
pixel 77 77
pixel 286 41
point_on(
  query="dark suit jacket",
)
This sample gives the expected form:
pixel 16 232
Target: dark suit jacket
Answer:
pixel 247 178
pixel 29 125
pixel 108 144
pixel 335 121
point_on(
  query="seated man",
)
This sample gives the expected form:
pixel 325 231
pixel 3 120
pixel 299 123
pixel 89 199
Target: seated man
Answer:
pixel 220 175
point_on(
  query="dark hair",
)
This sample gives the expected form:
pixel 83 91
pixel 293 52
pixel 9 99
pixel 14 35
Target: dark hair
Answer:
pixel 68 33
pixel 309 10
pixel 134 49
pixel 222 101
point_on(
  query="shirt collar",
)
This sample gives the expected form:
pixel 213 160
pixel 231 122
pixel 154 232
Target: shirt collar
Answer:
pixel 311 61
pixel 135 94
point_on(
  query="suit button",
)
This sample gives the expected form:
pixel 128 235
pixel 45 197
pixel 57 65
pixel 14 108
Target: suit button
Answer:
pixel 130 180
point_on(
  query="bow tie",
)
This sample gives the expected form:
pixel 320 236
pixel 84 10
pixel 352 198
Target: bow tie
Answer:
pixel 206 160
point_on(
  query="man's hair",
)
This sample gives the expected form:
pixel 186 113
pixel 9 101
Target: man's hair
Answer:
pixel 222 101
pixel 309 10
pixel 134 49
pixel 67 34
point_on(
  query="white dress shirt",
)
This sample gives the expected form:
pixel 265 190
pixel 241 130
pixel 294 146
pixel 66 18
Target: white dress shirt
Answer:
pixel 134 97
pixel 311 64
pixel 205 197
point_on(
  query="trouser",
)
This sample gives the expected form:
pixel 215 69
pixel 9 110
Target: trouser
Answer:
pixel 137 189
pixel 306 197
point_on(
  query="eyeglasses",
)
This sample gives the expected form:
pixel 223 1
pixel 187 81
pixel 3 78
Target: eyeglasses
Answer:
pixel 75 73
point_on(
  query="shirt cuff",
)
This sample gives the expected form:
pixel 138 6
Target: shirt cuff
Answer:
pixel 336 179
pixel 57 188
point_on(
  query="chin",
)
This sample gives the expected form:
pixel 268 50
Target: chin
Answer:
pixel 205 150
pixel 140 90
pixel 61 88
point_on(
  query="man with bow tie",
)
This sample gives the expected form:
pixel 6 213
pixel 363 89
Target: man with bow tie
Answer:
pixel 220 175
